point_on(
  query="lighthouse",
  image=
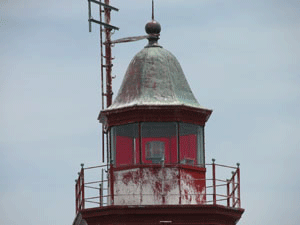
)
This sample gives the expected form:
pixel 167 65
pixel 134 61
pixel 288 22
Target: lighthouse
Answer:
pixel 156 170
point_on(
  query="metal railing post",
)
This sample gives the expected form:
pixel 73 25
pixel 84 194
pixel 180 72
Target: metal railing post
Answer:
pixel 100 194
pixel 239 184
pixel 233 189
pixel 163 194
pixel 111 183
pixel 76 196
pixel 214 181
pixel 179 184
pixel 82 186
pixel 102 186
pixel 79 191
pixel 228 193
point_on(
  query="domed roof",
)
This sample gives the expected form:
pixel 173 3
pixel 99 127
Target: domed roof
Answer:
pixel 154 78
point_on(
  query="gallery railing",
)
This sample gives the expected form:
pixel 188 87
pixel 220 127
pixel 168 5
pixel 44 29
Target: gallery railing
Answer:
pixel 96 192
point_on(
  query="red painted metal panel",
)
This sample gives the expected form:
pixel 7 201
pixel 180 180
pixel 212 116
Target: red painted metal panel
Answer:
pixel 173 150
pixel 188 148
pixel 124 147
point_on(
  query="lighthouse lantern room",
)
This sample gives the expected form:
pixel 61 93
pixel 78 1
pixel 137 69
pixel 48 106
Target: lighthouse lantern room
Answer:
pixel 155 170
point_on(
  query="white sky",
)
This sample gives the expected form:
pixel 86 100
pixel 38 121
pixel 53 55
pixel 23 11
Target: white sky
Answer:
pixel 241 59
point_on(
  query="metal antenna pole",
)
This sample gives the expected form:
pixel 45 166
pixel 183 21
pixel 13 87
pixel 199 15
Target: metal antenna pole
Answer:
pixel 152 9
pixel 108 45
pixel 101 55
pixel 108 57
pixel 108 79
pixel 107 28
pixel 102 86
pixel 107 90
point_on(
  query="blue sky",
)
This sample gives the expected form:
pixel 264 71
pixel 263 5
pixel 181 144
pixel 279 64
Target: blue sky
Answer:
pixel 241 59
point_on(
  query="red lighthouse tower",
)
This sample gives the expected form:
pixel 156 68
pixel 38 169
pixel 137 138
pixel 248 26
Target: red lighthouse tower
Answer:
pixel 156 171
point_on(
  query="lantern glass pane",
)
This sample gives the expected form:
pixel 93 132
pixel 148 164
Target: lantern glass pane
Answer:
pixel 159 142
pixel 191 144
pixel 125 144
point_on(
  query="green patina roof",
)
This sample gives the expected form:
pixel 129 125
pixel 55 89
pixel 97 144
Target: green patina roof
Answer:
pixel 154 78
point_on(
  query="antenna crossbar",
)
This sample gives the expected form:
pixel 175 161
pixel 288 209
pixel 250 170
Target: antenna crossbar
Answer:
pixel 104 24
pixel 105 5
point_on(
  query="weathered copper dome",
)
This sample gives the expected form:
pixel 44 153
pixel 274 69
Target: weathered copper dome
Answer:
pixel 154 77
pixel 154 89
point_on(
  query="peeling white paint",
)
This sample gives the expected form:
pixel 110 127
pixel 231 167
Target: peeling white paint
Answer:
pixel 153 186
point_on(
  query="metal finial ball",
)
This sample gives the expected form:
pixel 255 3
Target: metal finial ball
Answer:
pixel 153 27
pixel 82 165
pixel 213 160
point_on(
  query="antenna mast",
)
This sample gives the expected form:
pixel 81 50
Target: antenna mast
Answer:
pixel 107 30
pixel 106 59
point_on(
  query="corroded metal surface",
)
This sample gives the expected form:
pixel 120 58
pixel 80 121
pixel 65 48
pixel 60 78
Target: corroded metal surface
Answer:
pixel 153 78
